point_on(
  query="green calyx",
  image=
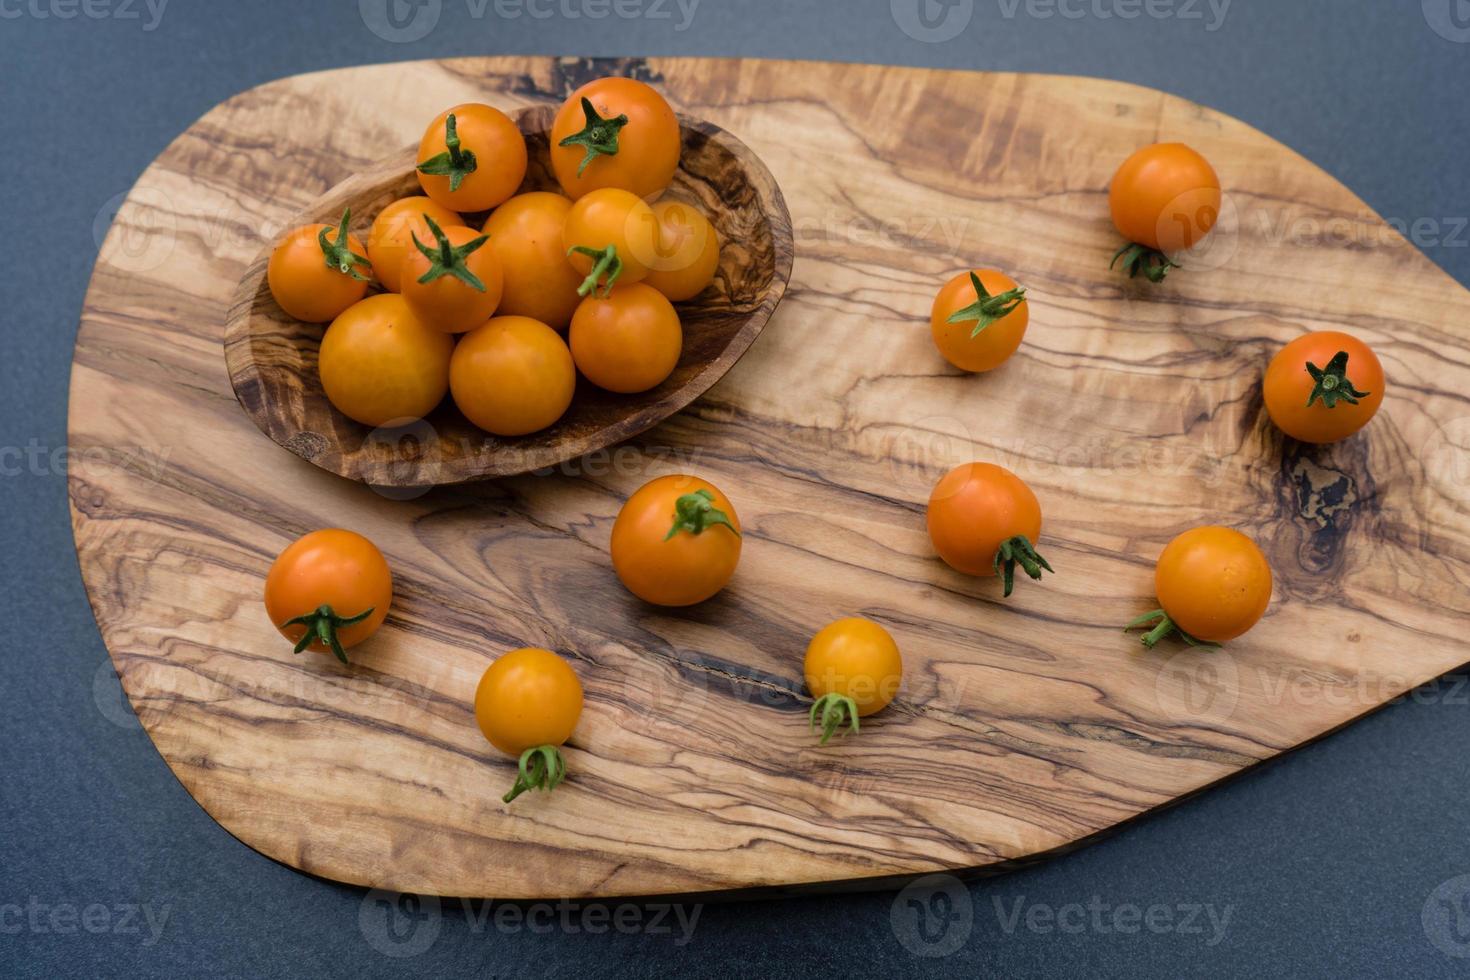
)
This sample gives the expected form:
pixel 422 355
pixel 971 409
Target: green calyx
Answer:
pixel 1018 550
pixel 830 712
pixel 1332 384
pixel 339 254
pixel 447 259
pixel 987 308
pixel 599 137
pixel 1154 265
pixel 1162 626
pixel 541 767
pixel 606 267
pixel 454 163
pixel 322 625
pixel 696 512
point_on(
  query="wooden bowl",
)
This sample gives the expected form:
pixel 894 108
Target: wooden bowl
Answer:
pixel 272 357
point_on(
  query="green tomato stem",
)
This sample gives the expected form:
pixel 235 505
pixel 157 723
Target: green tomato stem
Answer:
pixel 1332 384
pixel 605 262
pixel 454 163
pixel 696 512
pixel 322 626
pixel 1163 626
pixel 339 255
pixel 541 767
pixel 1019 550
pixel 830 712
pixel 1154 265
pixel 599 136
pixel 987 308
pixel 447 259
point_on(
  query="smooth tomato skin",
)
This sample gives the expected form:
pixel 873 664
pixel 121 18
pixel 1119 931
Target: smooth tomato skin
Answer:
pixel 528 697
pixel 302 282
pixel 500 158
pixel 1288 385
pixel 628 342
pixel 996 343
pixel 613 217
pixel 688 251
pixel 857 658
pixel 512 376
pixel 1213 582
pixel 380 365
pixel 448 303
pixel 526 233
pixel 975 509
pixel 1165 196
pixel 648 146
pixel 389 241
pixel 332 567
pixel 682 570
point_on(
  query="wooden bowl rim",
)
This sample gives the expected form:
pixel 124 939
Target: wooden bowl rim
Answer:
pixel 495 462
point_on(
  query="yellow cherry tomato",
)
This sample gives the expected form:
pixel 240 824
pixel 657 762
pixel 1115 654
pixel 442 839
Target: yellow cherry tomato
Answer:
pixel 611 234
pixel 615 132
pixel 1213 584
pixel 688 251
pixel 1312 386
pixel 628 340
pixel 381 366
pixel 317 271
pixel 471 158
pixel 676 541
pixel 526 234
pixel 329 590
pixel 455 282
pixel 852 669
pixel 527 704
pixel 393 232
pixel 984 520
pixel 512 376
pixel 978 319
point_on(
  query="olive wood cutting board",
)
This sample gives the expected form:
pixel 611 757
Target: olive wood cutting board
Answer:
pixel 1024 726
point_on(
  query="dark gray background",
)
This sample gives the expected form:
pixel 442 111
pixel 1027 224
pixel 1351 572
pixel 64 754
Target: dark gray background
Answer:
pixel 1326 862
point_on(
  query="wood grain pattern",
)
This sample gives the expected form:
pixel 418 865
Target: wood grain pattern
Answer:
pixel 1023 726
pixel 272 357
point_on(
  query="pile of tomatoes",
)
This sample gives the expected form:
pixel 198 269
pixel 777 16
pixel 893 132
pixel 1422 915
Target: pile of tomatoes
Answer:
pixel 677 540
pixel 503 311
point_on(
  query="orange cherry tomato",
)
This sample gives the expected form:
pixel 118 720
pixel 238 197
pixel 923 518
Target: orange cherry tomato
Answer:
pixel 380 366
pixel 318 271
pixel 329 591
pixel 615 132
pixel 394 229
pixel 676 541
pixel 853 669
pixel 1213 584
pixel 984 520
pixel 473 162
pixel 526 234
pixel 1164 198
pixel 458 287
pixel 688 251
pixel 628 340
pixel 611 218
pixel 1323 386
pixel 978 319
pixel 512 376
pixel 527 704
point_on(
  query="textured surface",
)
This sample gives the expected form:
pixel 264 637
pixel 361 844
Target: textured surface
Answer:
pixel 1023 727
pixel 272 357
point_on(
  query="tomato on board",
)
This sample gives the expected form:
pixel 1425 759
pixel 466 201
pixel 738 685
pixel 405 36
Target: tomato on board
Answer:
pixel 984 520
pixel 455 284
pixel 527 704
pixel 978 319
pixel 471 158
pixel 1213 584
pixel 610 236
pixel 628 340
pixel 512 376
pixel 688 251
pixel 676 541
pixel 615 132
pixel 1312 386
pixel 394 229
pixel 380 365
pixel 329 591
pixel 853 669
pixel 526 234
pixel 1164 198
pixel 315 275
